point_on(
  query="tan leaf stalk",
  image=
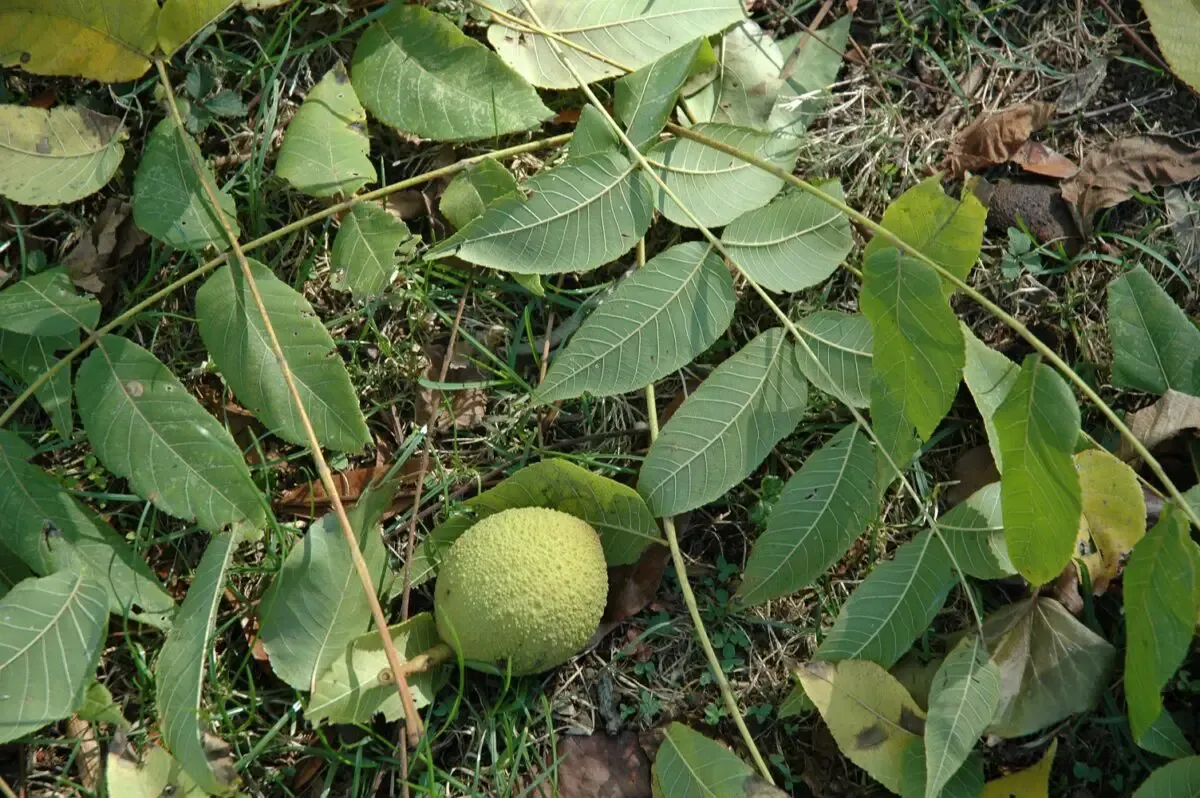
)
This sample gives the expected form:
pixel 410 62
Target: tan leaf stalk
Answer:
pixel 411 720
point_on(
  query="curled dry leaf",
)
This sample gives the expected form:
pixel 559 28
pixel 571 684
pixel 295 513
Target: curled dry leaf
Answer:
pixel 631 588
pixel 600 766
pixel 1172 414
pixel 1035 157
pixel 994 138
pixel 1141 163
pixel 97 261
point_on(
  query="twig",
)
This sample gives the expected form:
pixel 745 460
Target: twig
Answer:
pixel 789 66
pixel 1134 37
pixel 412 721
pixel 333 210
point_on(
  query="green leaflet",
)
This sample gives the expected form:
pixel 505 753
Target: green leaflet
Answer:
pixel 169 201
pixel 962 702
pixel 317 605
pixel 416 71
pixel 48 157
pixel 1162 599
pixel 974 533
pixel 967 781
pixel 644 98
pixel 632 33
pixel 1037 425
pixel 364 251
pixel 144 426
pixel 841 343
pixel 1178 779
pixel 918 346
pixel 180 20
pixel 989 376
pixel 325 151
pixel 182 664
pixel 726 428
pixel 689 764
pixel 233 331
pixel 49 530
pixel 620 516
pixel 893 605
pixel 948 231
pixel 1155 345
pixel 46 304
pixel 657 320
pixel 473 189
pixel 351 690
pixel 31 356
pixel 822 509
pixel 715 186
pixel 793 243
pixel 593 135
pixel 50 639
pixel 584 213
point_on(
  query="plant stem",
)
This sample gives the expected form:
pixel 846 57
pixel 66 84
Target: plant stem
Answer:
pixel 991 307
pixel 411 719
pixel 274 235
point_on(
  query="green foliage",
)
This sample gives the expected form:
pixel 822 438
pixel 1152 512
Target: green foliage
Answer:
pixel 822 509
pixel 1155 346
pixel 180 671
pixel 158 773
pixel 962 702
pixel 46 305
pixel 974 534
pixel 726 428
pixel 657 320
pixel 31 356
pixel 473 189
pixel 643 99
pixel 416 71
pixel 1037 425
pixel 989 376
pixel 234 332
pixel 54 628
pixel 326 150
pixel 1176 779
pixel 835 355
pixel 689 764
pixel 364 251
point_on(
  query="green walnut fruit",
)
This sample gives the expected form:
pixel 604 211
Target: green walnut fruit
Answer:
pixel 527 585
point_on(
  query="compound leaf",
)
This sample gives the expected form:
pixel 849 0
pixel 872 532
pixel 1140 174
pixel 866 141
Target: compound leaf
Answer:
pixel 724 430
pixel 50 639
pixel 416 71
pixel 233 331
pixel 145 427
pixel 48 157
pixel 974 533
pixel 657 320
pixel 822 509
pixel 325 151
pixel 643 99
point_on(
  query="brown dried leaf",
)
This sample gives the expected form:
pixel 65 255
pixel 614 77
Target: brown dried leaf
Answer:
pixel 467 407
pixel 600 766
pixel 1161 421
pixel 1082 86
pixel 631 588
pixel 1141 163
pixel 993 138
pixel 1035 157
pixel 1184 215
pixel 311 501
pixel 973 469
pixel 97 261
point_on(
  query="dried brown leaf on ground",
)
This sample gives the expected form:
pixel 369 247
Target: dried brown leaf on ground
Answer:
pixel 1141 163
pixel 993 138
pixel 631 588
pixel 1184 215
pixel 467 406
pixel 974 468
pixel 1172 414
pixel 310 500
pixel 600 766
pixel 97 261
pixel 1035 157
pixel 246 430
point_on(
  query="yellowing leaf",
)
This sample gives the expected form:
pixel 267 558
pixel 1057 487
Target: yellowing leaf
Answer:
pixel 1114 514
pixel 180 20
pixel 109 41
pixel 1032 782
pixel 872 717
pixel 56 156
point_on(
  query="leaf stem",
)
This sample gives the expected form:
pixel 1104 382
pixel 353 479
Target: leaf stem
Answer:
pixel 411 719
pixel 991 307
pixel 274 235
